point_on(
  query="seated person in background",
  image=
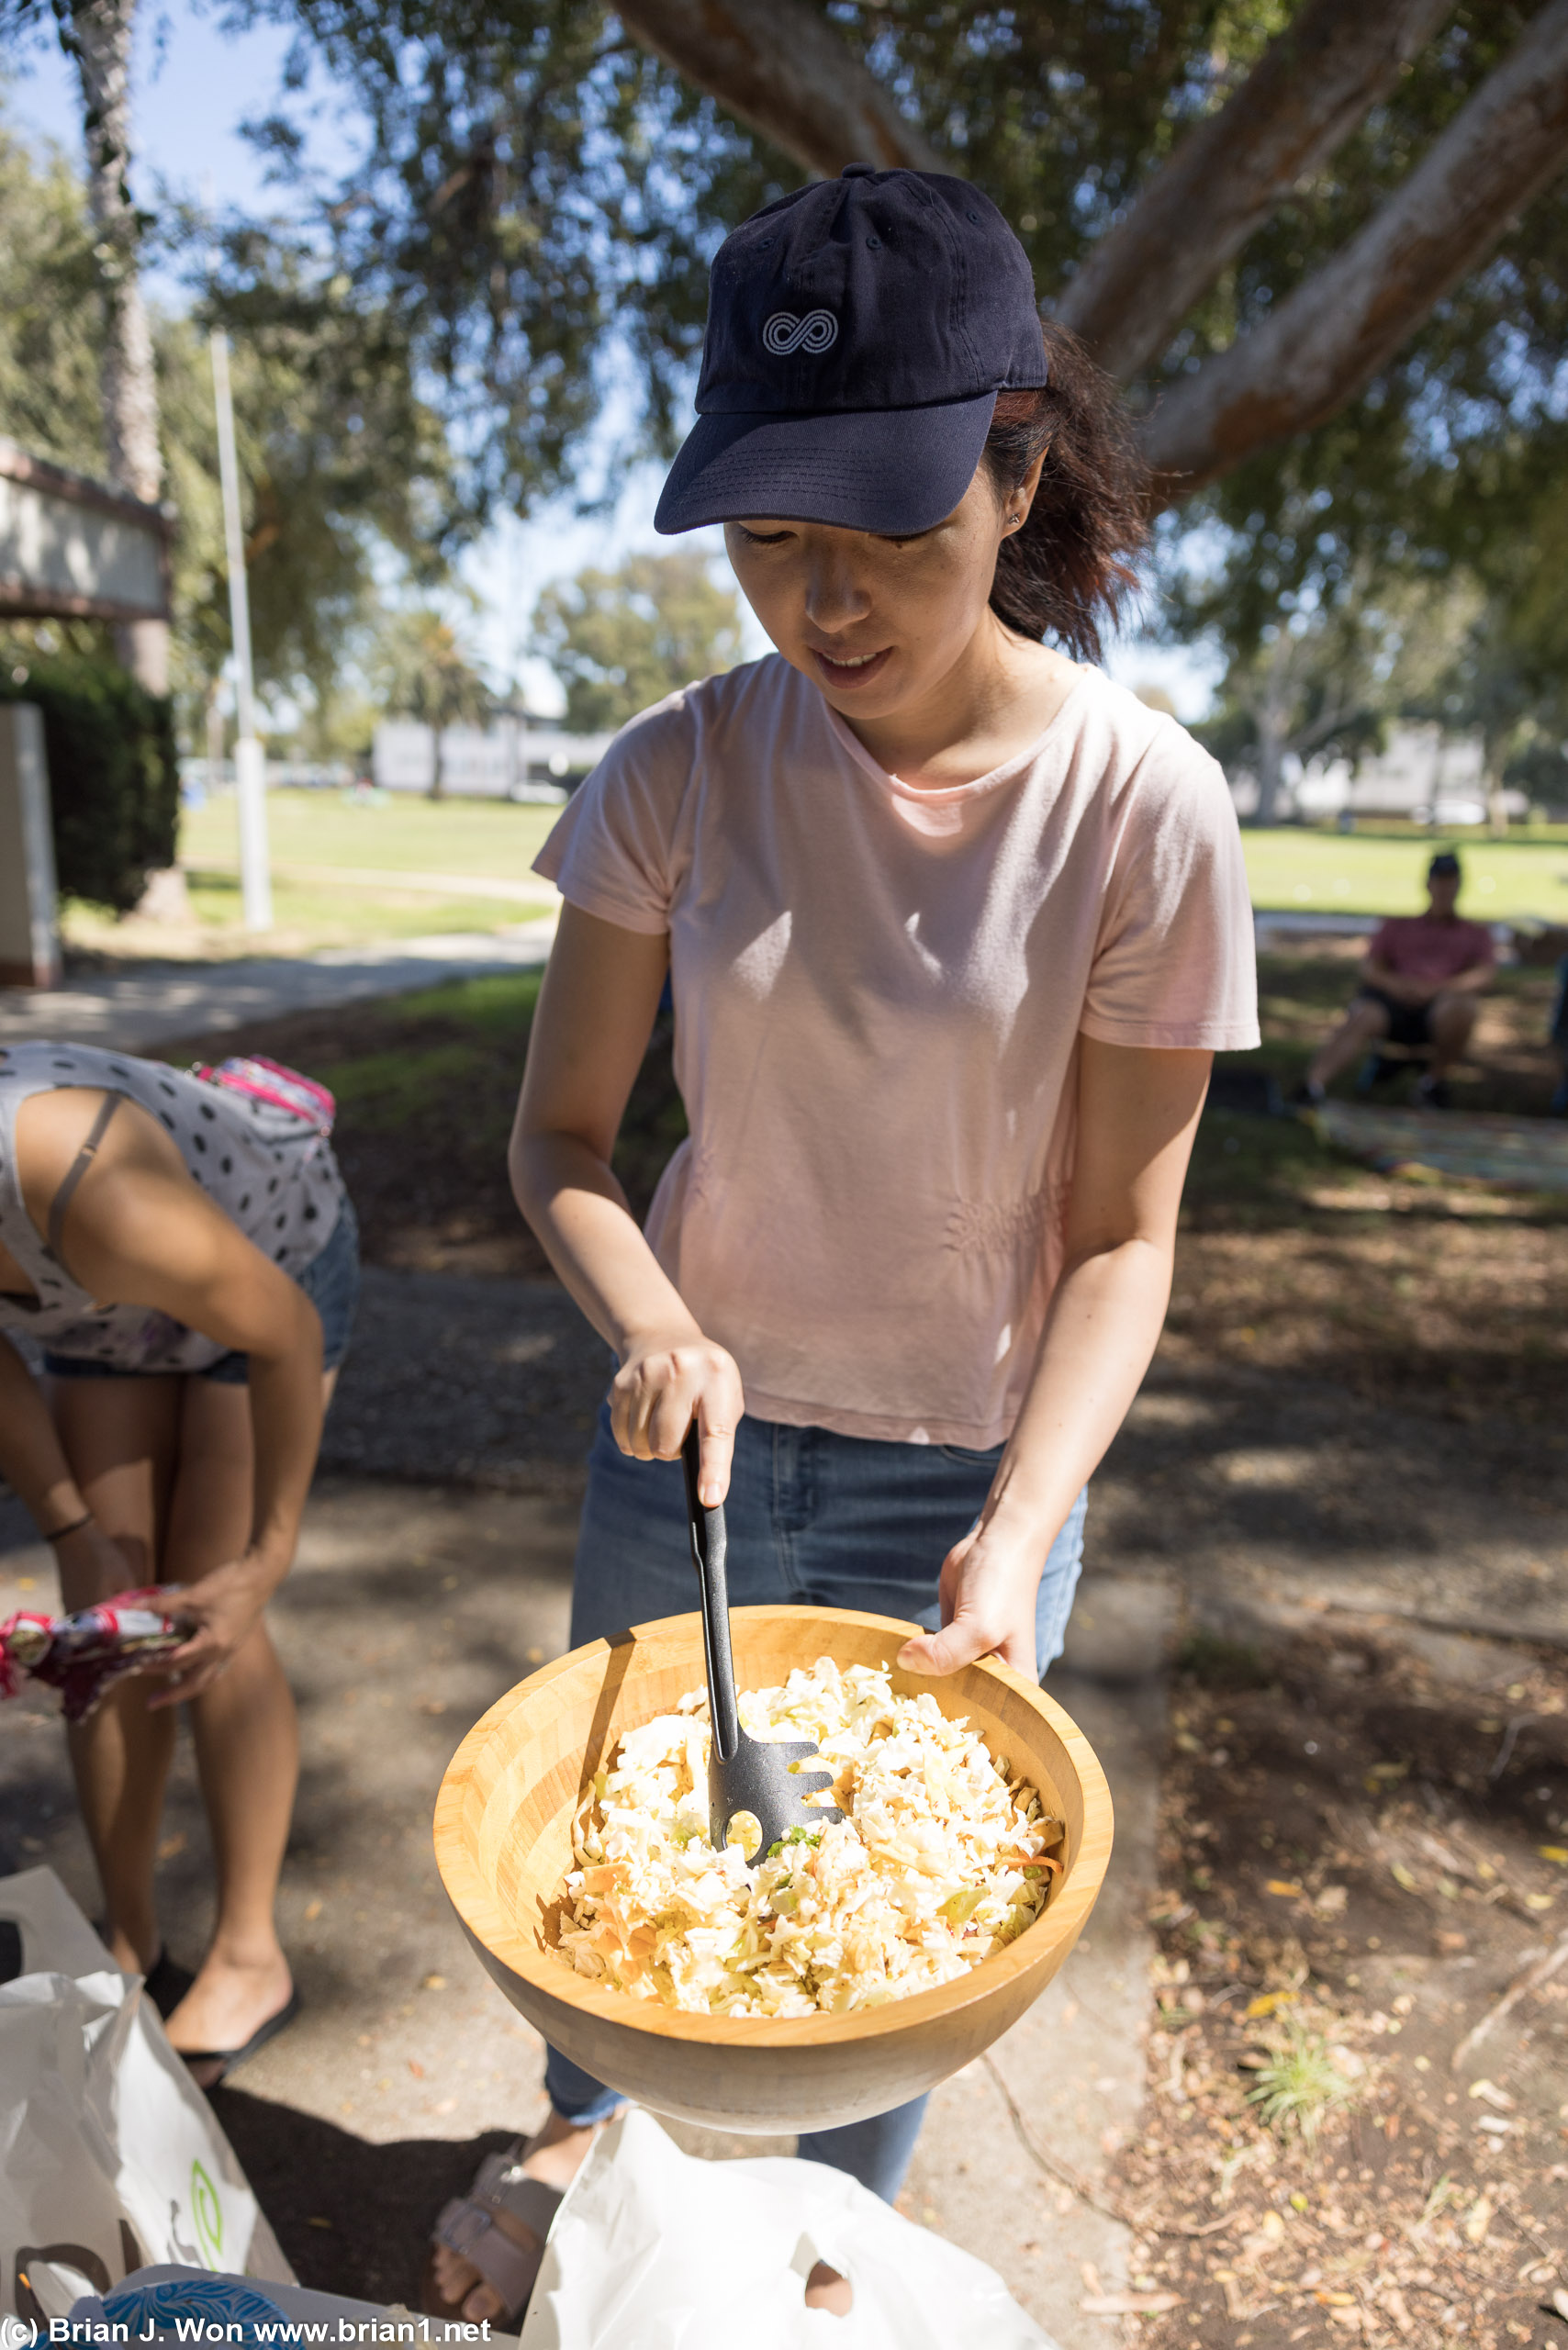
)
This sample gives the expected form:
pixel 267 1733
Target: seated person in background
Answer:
pixel 1420 984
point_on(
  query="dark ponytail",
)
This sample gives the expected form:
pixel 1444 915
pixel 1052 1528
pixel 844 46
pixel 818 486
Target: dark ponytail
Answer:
pixel 1068 570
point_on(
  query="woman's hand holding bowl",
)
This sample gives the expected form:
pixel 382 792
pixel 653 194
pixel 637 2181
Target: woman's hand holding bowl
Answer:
pixel 987 1589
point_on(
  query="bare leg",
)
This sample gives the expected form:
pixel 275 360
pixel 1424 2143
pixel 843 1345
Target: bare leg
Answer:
pixel 1453 1017
pixel 1363 1026
pixel 247 1740
pixel 120 1436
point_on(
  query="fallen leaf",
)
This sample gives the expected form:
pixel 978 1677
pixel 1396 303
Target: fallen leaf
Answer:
pixel 1557 1852
pixel 1393 2300
pixel 1130 2304
pixel 1402 1876
pixel 417 2069
pixel 1090 2276
pixel 432 1705
pixel 1283 1888
pixel 1538 1901
pixel 318 2223
pixel 173 1846
pixel 312 1911
pixel 434 1983
pixel 1557 2299
pixel 1265 2004
pixel 1479 2220
pixel 1491 2095
pixel 1332 2300
pixel 536 1656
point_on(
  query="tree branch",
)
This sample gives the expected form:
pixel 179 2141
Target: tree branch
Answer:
pixel 776 66
pixel 1322 344
pixel 1305 96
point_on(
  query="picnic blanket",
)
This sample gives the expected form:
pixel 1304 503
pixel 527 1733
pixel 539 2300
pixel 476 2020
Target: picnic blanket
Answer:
pixel 1520 1154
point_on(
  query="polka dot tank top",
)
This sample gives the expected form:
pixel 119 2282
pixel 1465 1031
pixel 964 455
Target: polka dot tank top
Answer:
pixel 271 1173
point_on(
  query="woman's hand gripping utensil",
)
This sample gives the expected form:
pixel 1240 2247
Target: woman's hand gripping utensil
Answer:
pixel 743 1773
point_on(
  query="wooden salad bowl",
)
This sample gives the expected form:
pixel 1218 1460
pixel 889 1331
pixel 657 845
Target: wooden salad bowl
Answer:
pixel 503 1841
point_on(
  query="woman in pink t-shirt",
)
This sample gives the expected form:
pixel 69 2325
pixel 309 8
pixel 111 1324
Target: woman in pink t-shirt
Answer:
pixel 953 926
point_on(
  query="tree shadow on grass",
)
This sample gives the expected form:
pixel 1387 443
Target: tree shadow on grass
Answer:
pixel 378 2202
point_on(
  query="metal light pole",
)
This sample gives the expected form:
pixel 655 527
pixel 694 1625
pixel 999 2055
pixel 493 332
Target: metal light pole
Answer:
pixel 250 759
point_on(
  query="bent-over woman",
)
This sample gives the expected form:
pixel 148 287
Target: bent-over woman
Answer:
pixel 182 1253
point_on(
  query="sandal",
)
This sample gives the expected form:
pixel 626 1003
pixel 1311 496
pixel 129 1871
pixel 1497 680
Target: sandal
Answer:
pixel 467 2226
pixel 229 2060
pixel 166 1983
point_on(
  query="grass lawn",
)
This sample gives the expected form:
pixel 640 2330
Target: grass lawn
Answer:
pixel 309 913
pixel 401 833
pixel 336 868
pixel 1322 872
pixel 1292 867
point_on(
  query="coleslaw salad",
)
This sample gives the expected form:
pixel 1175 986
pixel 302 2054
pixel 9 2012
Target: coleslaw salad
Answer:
pixel 943 1857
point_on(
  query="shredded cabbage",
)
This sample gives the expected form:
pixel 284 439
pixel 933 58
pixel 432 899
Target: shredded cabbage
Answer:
pixel 942 1858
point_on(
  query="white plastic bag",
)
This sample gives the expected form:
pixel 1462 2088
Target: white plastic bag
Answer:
pixel 110 2157
pixel 653 2250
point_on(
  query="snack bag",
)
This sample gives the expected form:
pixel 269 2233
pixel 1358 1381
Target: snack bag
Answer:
pixel 86 1654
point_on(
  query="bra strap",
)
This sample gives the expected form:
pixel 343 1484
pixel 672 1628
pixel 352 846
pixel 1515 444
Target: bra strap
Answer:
pixel 75 1173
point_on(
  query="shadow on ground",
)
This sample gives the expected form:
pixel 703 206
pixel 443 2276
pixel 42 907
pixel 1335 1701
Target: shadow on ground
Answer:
pixel 352 2217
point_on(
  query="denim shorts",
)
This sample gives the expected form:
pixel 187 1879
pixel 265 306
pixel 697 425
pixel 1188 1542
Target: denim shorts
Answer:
pixel 331 1280
pixel 813 1518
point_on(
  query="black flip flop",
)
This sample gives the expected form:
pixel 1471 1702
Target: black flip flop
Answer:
pixel 229 2060
pixel 166 1983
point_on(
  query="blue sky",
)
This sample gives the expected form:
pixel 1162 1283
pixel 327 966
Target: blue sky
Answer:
pixel 194 86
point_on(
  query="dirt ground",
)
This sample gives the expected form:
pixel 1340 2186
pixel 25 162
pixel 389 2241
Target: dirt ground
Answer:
pixel 1362 1912
pixel 1351 1461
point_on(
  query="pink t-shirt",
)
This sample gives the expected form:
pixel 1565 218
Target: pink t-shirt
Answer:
pixel 879 994
pixel 1421 947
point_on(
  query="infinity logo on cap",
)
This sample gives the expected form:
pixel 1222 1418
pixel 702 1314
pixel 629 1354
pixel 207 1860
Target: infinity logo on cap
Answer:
pixel 785 333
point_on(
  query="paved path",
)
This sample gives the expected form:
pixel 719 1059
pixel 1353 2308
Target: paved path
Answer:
pixel 135 1009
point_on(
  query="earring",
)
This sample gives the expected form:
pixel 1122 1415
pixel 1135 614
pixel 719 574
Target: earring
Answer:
pixel 1015 522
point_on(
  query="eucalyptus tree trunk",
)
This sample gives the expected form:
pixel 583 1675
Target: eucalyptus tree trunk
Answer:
pixel 98 34
pixel 1271 713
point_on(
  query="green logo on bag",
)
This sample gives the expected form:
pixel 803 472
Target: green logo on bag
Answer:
pixel 208 2213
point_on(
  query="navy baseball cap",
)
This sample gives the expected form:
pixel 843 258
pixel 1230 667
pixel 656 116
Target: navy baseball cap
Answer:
pixel 858 333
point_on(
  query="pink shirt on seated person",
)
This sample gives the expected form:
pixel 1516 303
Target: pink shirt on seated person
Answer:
pixel 1420 946
pixel 879 995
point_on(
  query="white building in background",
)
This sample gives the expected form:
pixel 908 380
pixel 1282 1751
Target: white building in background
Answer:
pixel 1422 773
pixel 507 760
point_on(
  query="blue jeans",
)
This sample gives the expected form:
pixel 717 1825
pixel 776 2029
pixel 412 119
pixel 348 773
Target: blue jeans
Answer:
pixel 840 1521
